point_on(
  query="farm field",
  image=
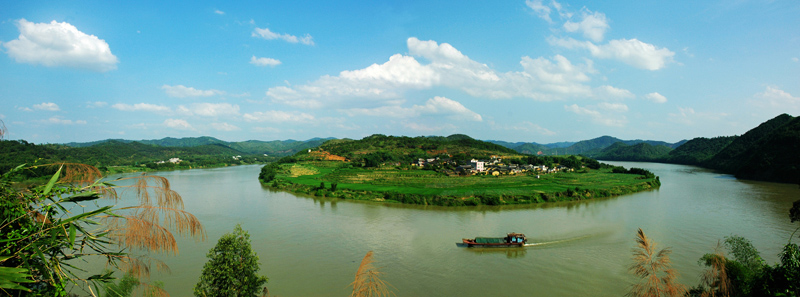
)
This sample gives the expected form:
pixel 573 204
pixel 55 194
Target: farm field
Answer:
pixel 339 179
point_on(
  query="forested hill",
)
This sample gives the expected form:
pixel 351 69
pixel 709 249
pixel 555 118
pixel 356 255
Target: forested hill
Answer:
pixel 116 153
pixel 767 152
pixel 591 148
pixel 772 157
pixel 275 147
pixel 408 149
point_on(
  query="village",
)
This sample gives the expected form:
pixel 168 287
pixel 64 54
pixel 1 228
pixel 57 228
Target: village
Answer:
pixel 494 167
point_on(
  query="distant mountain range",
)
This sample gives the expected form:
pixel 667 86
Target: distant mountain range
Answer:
pixel 767 152
pixel 589 148
pixel 275 147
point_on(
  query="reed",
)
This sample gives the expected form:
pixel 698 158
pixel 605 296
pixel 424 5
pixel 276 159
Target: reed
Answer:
pixel 368 280
pixel 653 268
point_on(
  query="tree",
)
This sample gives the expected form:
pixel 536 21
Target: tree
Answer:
pixel 657 278
pixel 232 268
pixel 368 280
pixel 45 227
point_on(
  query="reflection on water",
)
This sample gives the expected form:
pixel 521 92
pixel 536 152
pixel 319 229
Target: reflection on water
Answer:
pixel 582 247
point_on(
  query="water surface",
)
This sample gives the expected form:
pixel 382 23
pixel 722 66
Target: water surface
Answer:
pixel 312 247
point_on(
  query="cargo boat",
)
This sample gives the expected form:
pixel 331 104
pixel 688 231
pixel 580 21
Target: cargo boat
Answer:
pixel 511 240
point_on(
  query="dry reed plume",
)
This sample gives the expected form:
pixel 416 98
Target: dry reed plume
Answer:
pixel 657 278
pixel 368 280
pixel 716 277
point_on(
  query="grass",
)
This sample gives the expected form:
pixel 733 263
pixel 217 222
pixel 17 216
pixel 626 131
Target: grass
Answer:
pixel 308 175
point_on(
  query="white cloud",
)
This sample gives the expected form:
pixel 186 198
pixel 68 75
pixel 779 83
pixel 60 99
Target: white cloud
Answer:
pixel 24 108
pixel 181 91
pixel 178 124
pixel 50 106
pixel 277 116
pixel 526 127
pixel 541 10
pixel 96 104
pixel 60 121
pixel 209 109
pixel 220 12
pixel 385 84
pixel 616 107
pixel 141 107
pixel 609 92
pixel 629 51
pixel 264 61
pixel 689 117
pixel 59 44
pixel 795 59
pixel 772 97
pixel 269 35
pixel 656 97
pixel 593 25
pixel 437 106
pixel 224 127
pixel 613 119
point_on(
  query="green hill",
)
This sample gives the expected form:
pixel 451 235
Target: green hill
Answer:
pixel 698 150
pixel 275 147
pixel 643 152
pixel 774 157
pixel 731 158
pixel 402 149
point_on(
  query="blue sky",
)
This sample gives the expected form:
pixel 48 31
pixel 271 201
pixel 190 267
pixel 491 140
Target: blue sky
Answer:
pixel 533 71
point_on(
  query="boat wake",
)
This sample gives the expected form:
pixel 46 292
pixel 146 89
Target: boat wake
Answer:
pixel 554 242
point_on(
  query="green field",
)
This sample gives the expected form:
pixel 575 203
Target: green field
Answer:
pixel 425 186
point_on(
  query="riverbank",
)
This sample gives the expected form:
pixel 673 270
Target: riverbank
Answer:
pixel 426 187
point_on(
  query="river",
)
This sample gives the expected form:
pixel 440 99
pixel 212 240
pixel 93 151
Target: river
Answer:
pixel 312 247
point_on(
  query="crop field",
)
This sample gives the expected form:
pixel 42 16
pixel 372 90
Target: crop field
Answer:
pixel 426 182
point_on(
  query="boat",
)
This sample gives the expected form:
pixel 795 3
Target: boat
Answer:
pixel 511 240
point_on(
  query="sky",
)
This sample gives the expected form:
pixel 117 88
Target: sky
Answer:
pixel 521 71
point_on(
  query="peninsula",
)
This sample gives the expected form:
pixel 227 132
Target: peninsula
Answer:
pixel 451 171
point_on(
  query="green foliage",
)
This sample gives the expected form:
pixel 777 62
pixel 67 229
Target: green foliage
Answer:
pixel 232 268
pixel 698 150
pixel 638 152
pixel 123 288
pixel 116 153
pixel 39 235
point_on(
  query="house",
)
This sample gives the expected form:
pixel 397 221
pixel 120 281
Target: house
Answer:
pixel 478 165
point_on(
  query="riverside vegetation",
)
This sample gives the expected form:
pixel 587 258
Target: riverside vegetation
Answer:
pixel 379 168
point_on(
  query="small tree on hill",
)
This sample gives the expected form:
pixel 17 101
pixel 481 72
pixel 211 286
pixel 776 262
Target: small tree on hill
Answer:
pixel 232 268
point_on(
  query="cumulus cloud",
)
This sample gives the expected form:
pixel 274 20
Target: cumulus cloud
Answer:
pixel 269 35
pixel 776 99
pixel 689 117
pixel 224 127
pixel 141 107
pixel 220 12
pixel 178 124
pixel 50 106
pixel 437 106
pixel 541 10
pixel 181 91
pixel 593 25
pixel 96 104
pixel 656 97
pixel 629 51
pixel 609 92
pixel 60 121
pixel 264 61
pixel 384 84
pixel 525 127
pixel 57 44
pixel 609 118
pixel 209 109
pixel 277 116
